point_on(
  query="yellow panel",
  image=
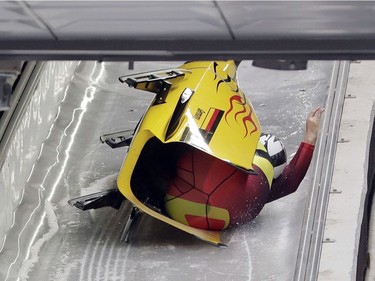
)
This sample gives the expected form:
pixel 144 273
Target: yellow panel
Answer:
pixel 217 119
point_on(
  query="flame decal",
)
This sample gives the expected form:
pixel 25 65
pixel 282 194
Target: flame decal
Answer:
pixel 245 107
pixel 239 112
pixel 237 98
pixel 231 101
pixel 228 80
pixel 215 67
pixel 250 119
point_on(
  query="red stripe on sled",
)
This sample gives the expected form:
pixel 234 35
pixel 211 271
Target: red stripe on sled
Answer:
pixel 212 120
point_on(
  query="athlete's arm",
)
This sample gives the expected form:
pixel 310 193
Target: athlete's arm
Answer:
pixel 295 171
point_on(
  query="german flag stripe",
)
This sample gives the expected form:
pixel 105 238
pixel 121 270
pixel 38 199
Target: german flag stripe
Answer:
pixel 215 120
pixel 214 116
pixel 209 126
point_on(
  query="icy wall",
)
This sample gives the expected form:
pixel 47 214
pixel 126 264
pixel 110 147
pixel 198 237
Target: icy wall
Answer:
pixel 27 140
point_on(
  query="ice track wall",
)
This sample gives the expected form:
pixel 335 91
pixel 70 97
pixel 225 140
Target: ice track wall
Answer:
pixel 26 131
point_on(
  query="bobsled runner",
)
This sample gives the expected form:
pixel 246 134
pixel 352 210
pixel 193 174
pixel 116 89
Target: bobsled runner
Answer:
pixel 199 105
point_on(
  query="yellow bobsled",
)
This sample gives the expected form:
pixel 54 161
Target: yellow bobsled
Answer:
pixel 198 104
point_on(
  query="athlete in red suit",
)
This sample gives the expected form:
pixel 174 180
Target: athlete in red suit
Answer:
pixel 208 193
pixel 295 171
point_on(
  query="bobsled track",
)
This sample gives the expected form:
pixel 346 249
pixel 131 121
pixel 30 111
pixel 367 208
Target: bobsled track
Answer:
pixel 51 153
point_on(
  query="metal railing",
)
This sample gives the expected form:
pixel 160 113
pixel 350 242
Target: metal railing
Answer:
pixel 310 247
pixel 20 99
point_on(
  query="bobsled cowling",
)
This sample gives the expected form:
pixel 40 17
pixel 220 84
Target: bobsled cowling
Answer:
pixel 203 108
pixel 197 105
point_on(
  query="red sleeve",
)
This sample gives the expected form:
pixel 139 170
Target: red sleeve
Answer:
pixel 293 173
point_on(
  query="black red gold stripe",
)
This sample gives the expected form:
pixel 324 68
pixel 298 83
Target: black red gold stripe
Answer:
pixel 209 125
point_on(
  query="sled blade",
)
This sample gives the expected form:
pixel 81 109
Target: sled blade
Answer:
pixel 126 233
pixel 152 81
pixel 108 198
pixel 118 139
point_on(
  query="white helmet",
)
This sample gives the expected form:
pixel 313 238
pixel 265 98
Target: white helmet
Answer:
pixel 276 151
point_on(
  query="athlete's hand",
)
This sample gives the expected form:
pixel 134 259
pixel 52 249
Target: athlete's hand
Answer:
pixel 312 125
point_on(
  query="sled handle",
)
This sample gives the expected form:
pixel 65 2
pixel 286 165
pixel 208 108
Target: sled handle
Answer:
pixel 158 82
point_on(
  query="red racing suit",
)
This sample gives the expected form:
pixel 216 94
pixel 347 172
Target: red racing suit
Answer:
pixel 293 173
pixel 208 193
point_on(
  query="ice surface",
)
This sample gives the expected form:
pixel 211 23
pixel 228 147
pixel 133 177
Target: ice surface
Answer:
pixel 50 240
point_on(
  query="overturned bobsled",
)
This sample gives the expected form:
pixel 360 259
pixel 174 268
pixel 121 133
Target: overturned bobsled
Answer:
pixel 197 105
